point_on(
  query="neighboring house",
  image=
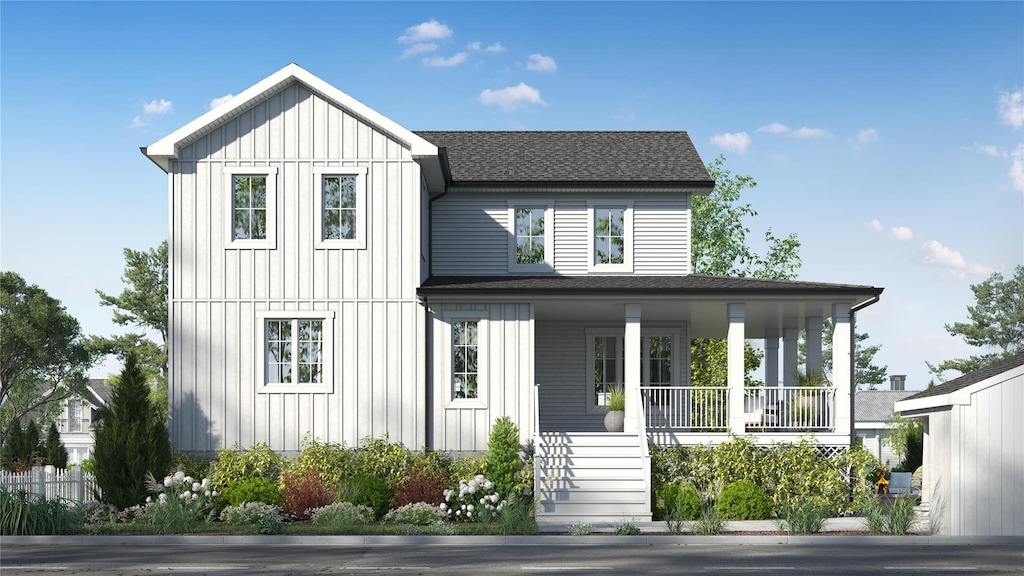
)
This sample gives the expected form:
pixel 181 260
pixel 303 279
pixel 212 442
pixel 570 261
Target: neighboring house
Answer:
pixel 334 274
pixel 76 419
pixel 871 412
pixel 973 453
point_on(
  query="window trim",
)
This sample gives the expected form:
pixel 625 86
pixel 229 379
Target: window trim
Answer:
pixel 549 236
pixel 627 235
pixel 448 366
pixel 357 243
pixel 270 172
pixel 327 354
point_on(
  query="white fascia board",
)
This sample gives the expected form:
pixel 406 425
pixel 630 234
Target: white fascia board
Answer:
pixel 961 397
pixel 164 150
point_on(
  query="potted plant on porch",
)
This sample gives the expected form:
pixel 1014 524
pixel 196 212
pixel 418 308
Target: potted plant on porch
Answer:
pixel 614 420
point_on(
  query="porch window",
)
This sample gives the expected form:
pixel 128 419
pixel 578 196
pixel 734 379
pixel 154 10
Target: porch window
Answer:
pixel 530 244
pixel 340 207
pixel 606 356
pixel 610 241
pixel 465 366
pixel 252 197
pixel 296 351
pixel 658 351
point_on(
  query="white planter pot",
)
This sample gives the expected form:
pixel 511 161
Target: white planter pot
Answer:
pixel 614 421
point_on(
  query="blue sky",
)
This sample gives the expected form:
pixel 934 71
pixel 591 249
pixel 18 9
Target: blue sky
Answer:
pixel 887 136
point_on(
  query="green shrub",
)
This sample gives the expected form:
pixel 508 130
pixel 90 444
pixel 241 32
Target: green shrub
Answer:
pixel 901 515
pixel 628 528
pixel 56 453
pixel 517 516
pixel 502 462
pixel 303 493
pixel 24 514
pixel 252 490
pixel 466 467
pixel 177 505
pixel 419 513
pixel 808 517
pixel 580 529
pixel 369 491
pixel 333 462
pixel 194 464
pixel 341 516
pixel 234 465
pixel 744 500
pixel 261 517
pixel 422 483
pixel 679 501
pixel 874 518
pixel 384 459
pixel 709 523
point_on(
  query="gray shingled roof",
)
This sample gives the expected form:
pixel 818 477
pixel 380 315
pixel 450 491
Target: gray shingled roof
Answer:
pixel 997 367
pixel 690 284
pixel 876 405
pixel 537 157
pixel 99 388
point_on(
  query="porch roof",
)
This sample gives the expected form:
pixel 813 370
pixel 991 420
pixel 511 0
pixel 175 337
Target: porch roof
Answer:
pixel 688 285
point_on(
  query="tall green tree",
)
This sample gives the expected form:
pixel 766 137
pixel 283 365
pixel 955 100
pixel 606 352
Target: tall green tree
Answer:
pixel 867 375
pixel 996 321
pixel 142 304
pixel 131 440
pixel 43 358
pixel 12 457
pixel 720 247
pixel 56 452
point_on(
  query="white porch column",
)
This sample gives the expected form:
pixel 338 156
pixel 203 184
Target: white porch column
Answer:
pixel 631 368
pixel 734 347
pixel 790 347
pixel 812 326
pixel 842 336
pixel 771 362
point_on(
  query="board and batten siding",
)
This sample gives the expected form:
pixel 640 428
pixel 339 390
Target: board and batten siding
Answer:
pixel 505 360
pixel 471 232
pixel 216 292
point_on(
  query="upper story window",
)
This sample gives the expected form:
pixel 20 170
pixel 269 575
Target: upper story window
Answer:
pixel 610 237
pixel 530 246
pixel 252 201
pixel 74 422
pixel 296 351
pixel 340 206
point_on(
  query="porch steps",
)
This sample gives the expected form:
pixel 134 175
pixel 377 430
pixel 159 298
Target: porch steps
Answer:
pixel 592 477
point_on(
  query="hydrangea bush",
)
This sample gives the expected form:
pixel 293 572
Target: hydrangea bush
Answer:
pixel 475 500
pixel 180 503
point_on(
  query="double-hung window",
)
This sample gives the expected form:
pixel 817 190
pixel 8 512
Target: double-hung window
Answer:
pixel 296 351
pixel 252 200
pixel 606 362
pixel 340 194
pixel 610 236
pixel 530 244
pixel 466 370
pixel 74 415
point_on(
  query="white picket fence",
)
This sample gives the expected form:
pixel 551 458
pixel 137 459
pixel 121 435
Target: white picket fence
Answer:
pixel 71 484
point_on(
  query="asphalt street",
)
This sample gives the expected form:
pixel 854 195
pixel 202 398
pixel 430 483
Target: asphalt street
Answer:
pixel 612 558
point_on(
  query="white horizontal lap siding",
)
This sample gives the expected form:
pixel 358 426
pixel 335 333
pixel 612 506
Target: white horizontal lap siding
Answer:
pixel 661 236
pixel 506 378
pixel 571 236
pixel 470 235
pixel 216 291
pixel 561 375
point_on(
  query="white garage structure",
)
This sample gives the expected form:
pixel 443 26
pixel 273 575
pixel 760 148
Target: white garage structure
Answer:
pixel 974 450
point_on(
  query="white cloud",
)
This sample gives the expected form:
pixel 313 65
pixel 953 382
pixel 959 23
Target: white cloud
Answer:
pixel 1017 168
pixel 442 62
pixel 496 47
pixel 988 149
pixel 473 46
pixel 775 128
pixel 867 136
pixel 424 32
pixel 419 49
pixel 541 63
pixel 1011 108
pixel 160 106
pixel 805 132
pixel 901 232
pixel 933 253
pixel 477 46
pixel 512 97
pixel 873 225
pixel 218 101
pixel 138 122
pixel 738 142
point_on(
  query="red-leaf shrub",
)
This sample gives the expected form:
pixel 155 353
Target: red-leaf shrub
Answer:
pixel 305 492
pixel 421 484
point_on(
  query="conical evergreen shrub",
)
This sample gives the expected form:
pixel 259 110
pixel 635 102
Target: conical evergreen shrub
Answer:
pixel 10 454
pixel 33 445
pixel 56 453
pixel 131 439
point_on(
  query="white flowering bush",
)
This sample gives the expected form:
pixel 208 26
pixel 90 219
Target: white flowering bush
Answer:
pixel 341 516
pixel 419 513
pixel 476 500
pixel 263 518
pixel 178 504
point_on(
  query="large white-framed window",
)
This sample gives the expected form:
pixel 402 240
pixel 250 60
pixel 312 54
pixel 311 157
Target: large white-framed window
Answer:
pixel 659 362
pixel 467 366
pixel 340 206
pixel 74 415
pixel 251 206
pixel 295 351
pixel 610 235
pixel 531 247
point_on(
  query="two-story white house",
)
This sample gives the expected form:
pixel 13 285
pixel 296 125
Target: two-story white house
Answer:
pixel 334 273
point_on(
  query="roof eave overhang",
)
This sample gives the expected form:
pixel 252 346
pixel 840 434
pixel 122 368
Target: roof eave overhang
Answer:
pixel 960 397
pixel 694 186
pixel 665 293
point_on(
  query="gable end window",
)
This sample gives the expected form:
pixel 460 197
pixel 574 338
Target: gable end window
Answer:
pixel 530 242
pixel 251 199
pixel 340 194
pixel 295 351
pixel 610 239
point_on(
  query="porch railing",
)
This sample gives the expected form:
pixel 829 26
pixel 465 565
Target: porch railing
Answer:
pixel 706 409
pixel 689 407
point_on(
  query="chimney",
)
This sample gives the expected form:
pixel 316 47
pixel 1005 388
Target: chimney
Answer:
pixel 898 382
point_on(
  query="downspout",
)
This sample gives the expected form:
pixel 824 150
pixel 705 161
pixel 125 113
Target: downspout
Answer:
pixel 853 359
pixel 428 376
